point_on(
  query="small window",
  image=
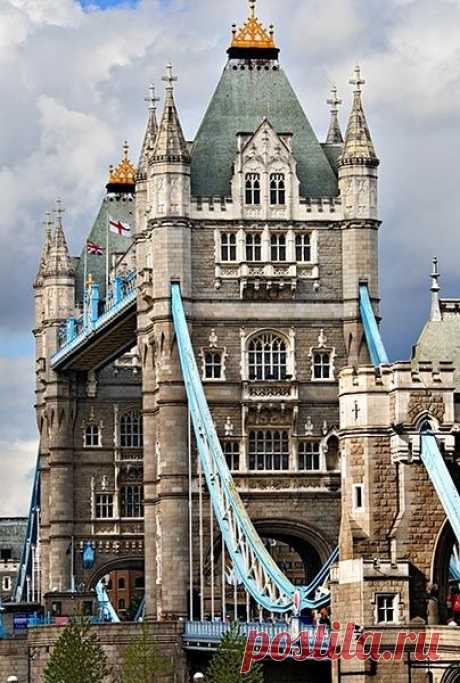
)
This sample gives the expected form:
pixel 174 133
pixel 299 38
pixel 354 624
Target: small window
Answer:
pixel 303 248
pixel 139 582
pixel 121 583
pixel 278 248
pixel 387 608
pixel 131 430
pixel 269 450
pixel 121 604
pixel 232 455
pixel 253 247
pixel 92 436
pixel 253 189
pixel 358 497
pixel 213 365
pixel 322 366
pixel 277 189
pixel 5 554
pixel 228 247
pixel 309 456
pixel 104 506
pixel 6 583
pixel 132 501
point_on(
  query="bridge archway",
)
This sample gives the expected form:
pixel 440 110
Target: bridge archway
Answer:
pixel 125 582
pixel 452 675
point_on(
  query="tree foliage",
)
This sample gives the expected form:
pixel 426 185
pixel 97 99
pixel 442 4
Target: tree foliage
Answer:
pixel 142 660
pixel 225 666
pixel 77 657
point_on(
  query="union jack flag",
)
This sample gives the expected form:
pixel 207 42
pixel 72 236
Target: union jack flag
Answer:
pixel 93 248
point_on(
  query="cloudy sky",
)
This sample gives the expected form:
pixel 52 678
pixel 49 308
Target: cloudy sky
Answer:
pixel 73 76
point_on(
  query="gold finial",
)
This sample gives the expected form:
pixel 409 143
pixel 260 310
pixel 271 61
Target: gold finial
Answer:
pixel 357 81
pixel 125 172
pixel 89 281
pixel 253 34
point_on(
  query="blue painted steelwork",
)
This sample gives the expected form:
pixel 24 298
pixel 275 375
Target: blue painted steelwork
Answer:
pixel 3 631
pixel 32 531
pixel 77 331
pixel 256 569
pixel 107 612
pixel 371 330
pixel 442 481
pixel 454 569
pixel 208 634
pixel 88 556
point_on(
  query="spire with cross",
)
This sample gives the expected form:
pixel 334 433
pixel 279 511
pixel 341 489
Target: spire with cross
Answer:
pixel 59 211
pixel 152 100
pixel 357 81
pixel 334 136
pixel 436 314
pixel 358 141
pixel 169 78
pixel 170 143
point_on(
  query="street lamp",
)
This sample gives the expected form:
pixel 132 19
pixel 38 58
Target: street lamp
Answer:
pixel 198 676
pixel 12 679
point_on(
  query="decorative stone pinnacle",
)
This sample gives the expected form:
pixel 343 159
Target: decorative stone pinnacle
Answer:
pixel 152 99
pixel 59 211
pixel 357 81
pixel 436 314
pixel 334 101
pixel 435 275
pixel 169 77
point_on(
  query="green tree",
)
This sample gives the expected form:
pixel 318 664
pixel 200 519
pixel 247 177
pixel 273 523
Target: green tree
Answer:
pixel 225 666
pixel 77 657
pixel 142 660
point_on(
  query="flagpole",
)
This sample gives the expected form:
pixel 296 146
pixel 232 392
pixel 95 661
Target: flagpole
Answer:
pixel 107 260
pixel 85 283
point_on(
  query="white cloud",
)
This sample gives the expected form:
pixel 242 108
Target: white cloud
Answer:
pixel 18 460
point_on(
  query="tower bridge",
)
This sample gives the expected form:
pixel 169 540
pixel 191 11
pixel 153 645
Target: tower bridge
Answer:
pixel 222 435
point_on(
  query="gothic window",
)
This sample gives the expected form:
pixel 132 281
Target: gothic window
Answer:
pixel 104 506
pixel 213 365
pixel 309 456
pixel 269 450
pixel 278 248
pixel 121 583
pixel 253 247
pixel 253 188
pixel 386 608
pixel 132 501
pixel 92 436
pixel 131 430
pixel 267 357
pixel 303 248
pixel 228 247
pixel 277 189
pixel 322 365
pixel 232 455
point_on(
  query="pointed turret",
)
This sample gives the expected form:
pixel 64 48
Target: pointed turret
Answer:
pixel 58 260
pixel 47 239
pixel 170 143
pixel 334 136
pixel 358 147
pixel 436 315
pixel 150 134
pixel 169 175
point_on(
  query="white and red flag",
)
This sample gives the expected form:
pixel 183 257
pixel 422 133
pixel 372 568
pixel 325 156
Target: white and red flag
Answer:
pixel 119 228
pixel 93 248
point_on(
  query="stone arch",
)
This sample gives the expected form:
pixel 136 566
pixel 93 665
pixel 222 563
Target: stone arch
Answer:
pixel 295 530
pixel 126 562
pixel 443 548
pixel 331 448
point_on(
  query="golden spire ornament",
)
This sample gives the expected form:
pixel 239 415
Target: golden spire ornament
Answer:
pixel 253 34
pixel 125 173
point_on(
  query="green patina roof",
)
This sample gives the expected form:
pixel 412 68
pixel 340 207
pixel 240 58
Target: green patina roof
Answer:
pixel 440 341
pixel 119 207
pixel 242 99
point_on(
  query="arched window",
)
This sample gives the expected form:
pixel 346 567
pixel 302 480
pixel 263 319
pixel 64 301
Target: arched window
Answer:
pixel 267 357
pixel 253 188
pixel 322 365
pixel 121 604
pixel 277 189
pixel 121 583
pixel 269 450
pixel 228 247
pixel 92 435
pixel 253 247
pixel 131 430
pixel 132 501
pixel 278 248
